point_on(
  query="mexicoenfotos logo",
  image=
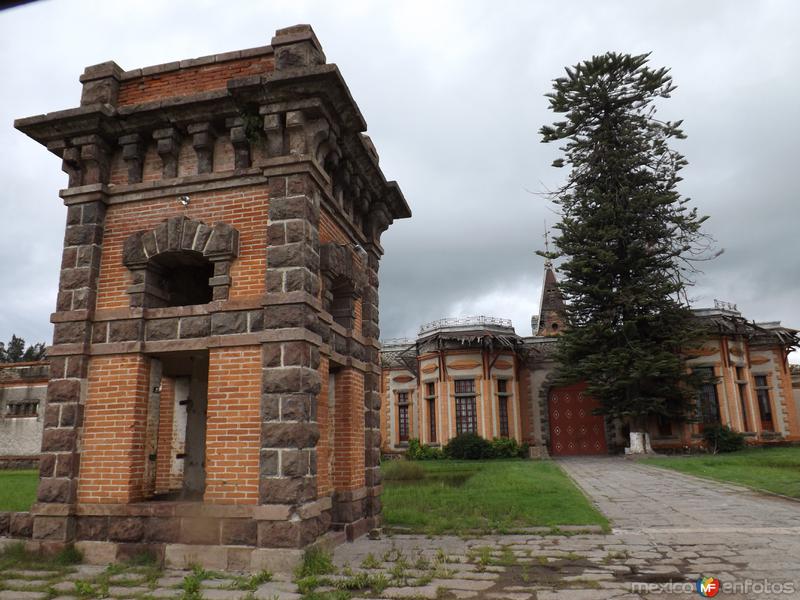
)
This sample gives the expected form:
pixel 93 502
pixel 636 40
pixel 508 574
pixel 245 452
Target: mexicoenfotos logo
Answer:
pixel 708 587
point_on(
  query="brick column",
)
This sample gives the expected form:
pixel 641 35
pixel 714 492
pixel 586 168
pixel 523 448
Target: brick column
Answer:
pixel 291 361
pixel 348 448
pixel 112 464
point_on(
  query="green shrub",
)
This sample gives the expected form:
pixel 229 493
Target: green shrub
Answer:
pixel 403 470
pixel 468 446
pixel 721 438
pixel 417 451
pixel 505 448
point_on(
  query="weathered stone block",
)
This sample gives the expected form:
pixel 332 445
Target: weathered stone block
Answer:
pixel 162 529
pixel 51 528
pixel 239 532
pixel 289 435
pixel 21 525
pixel 299 254
pixel 161 329
pixel 294 463
pixel 194 327
pixel 295 207
pixel 271 407
pixel 125 331
pixel 69 415
pixel 63 390
pixel 70 333
pixel 77 366
pixel 125 529
pixel 227 323
pixel 5 523
pixel 69 257
pixel 58 440
pixel 79 235
pixel 47 465
pixel 99 333
pixel 269 463
pixel 278 534
pixel 92 528
pixel 52 415
pixel 67 465
pixel 291 379
pixel 302 280
pixel 298 407
pixel 54 490
pixel 200 531
pixel 256 320
pixel 288 490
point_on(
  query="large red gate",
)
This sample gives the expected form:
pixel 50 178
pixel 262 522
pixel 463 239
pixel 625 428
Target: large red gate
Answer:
pixel 573 428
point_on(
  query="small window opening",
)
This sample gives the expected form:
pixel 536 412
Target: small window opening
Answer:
pixel 180 279
pixel 341 304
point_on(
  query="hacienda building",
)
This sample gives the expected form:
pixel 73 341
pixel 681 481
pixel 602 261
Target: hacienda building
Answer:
pixel 478 375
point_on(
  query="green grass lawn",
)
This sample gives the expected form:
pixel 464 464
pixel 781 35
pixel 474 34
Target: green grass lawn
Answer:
pixel 18 489
pixel 483 496
pixel 772 469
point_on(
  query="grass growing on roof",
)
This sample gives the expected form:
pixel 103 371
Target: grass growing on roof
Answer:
pixel 775 470
pixel 18 489
pixel 483 496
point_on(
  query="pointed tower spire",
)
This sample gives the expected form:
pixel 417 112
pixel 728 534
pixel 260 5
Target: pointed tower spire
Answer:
pixel 552 314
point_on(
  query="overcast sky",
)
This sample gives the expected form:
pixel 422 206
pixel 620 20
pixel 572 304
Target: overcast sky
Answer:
pixel 453 95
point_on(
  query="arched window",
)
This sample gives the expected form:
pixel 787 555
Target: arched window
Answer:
pixel 181 262
pixel 180 278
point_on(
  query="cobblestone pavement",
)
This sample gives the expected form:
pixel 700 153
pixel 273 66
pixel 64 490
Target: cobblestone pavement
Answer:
pixel 668 530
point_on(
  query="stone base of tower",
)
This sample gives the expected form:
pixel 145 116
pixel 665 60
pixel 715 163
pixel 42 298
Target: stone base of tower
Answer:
pixel 180 534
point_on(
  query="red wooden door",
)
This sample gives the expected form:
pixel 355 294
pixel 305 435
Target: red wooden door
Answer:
pixel 574 430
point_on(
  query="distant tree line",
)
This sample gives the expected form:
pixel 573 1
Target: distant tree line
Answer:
pixel 16 351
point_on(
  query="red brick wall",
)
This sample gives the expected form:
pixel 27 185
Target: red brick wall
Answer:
pixel 348 417
pixel 245 208
pixel 164 450
pixel 112 461
pixel 233 430
pixel 192 80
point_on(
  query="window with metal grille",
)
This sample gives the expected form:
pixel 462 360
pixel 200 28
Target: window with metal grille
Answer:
pixel 402 416
pixel 741 385
pixel 466 413
pixel 430 398
pixel 502 406
pixel 707 400
pixel 27 408
pixel 764 405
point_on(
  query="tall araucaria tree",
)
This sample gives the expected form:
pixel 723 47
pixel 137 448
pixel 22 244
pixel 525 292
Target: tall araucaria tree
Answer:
pixel 628 238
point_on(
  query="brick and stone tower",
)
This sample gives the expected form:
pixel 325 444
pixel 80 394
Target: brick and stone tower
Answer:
pixel 552 313
pixel 214 387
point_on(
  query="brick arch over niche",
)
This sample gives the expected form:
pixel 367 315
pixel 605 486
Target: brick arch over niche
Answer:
pixel 179 243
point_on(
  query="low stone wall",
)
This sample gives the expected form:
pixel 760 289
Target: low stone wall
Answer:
pixel 19 462
pixel 18 525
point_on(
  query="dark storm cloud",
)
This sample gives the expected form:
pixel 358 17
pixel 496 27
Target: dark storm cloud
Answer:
pixel 453 94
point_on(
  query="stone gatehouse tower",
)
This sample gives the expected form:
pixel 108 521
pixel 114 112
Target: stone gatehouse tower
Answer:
pixel 214 387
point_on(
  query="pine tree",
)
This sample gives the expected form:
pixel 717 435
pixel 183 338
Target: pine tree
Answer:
pixel 628 238
pixel 15 349
pixel 17 352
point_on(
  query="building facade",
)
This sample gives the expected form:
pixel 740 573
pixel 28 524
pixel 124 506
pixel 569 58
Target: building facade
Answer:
pixel 477 375
pixel 23 388
pixel 214 383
